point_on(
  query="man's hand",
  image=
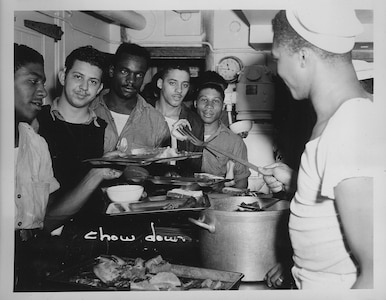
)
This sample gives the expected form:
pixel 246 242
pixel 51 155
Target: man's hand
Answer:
pixel 105 173
pixel 179 124
pixel 274 277
pixel 115 153
pixel 278 177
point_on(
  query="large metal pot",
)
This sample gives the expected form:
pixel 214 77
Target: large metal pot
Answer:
pixel 247 242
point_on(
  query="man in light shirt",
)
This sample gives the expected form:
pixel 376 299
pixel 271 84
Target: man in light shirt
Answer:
pixel 35 183
pixel 132 123
pixel 331 220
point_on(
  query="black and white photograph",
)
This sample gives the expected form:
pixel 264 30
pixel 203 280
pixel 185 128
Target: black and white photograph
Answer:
pixel 188 149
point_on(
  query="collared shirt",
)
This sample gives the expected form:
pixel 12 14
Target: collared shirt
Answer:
pixel 55 113
pixel 145 128
pixel 34 179
pixel 228 141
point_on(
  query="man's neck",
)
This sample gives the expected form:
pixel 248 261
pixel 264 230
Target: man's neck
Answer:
pixel 210 129
pixel 332 90
pixel 167 110
pixel 331 94
pixel 72 114
pixel 120 105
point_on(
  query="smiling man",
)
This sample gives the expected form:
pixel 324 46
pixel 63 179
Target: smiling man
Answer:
pixel 210 106
pixel 30 202
pixel 37 202
pixel 71 128
pixel 34 178
pixel 331 229
pixel 74 133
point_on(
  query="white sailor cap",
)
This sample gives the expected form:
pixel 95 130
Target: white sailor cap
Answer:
pixel 333 29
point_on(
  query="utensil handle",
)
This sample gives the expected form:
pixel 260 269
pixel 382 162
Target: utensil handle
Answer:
pixel 233 157
pixel 210 228
pixel 270 204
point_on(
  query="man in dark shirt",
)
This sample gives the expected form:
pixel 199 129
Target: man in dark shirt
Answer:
pixel 73 131
pixel 174 84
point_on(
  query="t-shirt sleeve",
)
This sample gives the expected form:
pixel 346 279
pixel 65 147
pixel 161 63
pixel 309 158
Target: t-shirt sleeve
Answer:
pixel 346 148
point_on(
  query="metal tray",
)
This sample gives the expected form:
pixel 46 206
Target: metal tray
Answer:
pixel 231 280
pixel 203 182
pixel 141 160
pixel 149 205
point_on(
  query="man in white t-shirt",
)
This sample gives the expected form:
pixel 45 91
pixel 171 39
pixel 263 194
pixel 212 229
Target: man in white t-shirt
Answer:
pixel 331 220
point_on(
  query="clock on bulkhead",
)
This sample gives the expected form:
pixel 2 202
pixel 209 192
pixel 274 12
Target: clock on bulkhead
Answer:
pixel 229 68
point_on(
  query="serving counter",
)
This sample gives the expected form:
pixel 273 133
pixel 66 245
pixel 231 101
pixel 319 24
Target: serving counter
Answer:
pixel 169 234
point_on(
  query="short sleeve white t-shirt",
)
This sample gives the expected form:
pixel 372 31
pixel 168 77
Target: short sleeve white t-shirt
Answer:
pixel 344 150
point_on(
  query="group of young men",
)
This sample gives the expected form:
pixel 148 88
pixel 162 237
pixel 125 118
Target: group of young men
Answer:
pixel 86 121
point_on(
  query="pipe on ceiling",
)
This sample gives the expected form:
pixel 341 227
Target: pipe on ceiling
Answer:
pixel 127 18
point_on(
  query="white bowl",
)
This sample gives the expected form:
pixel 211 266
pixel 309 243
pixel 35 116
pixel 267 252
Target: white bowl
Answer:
pixel 125 193
pixel 241 126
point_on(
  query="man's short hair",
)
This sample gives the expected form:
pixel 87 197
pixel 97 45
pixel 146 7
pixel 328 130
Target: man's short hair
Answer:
pixel 24 55
pixel 86 54
pixel 211 85
pixel 131 49
pixel 174 66
pixel 284 35
pixel 214 77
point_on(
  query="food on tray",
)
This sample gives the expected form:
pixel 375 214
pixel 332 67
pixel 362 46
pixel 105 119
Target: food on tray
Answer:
pixel 170 204
pixel 172 201
pixel 111 270
pixel 145 152
pixel 191 202
pixel 207 176
pixel 157 264
pixel 239 192
pixel 167 153
pixel 152 275
pixel 212 284
pixel 145 157
pixel 182 193
pixel 165 279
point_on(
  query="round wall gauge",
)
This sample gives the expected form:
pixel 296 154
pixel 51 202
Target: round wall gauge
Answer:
pixel 229 68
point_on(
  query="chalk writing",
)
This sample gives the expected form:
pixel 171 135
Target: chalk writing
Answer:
pixel 163 238
pixel 153 237
pixel 93 235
